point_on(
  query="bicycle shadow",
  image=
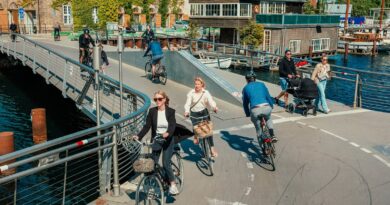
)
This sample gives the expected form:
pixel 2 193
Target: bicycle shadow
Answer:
pixel 247 145
pixel 194 154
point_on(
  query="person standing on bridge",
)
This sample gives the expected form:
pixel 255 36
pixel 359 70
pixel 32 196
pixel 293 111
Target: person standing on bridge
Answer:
pixel 286 71
pixel 198 99
pixel 161 119
pixel 13 27
pixel 321 75
pixel 257 101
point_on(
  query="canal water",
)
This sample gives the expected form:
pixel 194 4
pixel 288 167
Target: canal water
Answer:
pixel 343 91
pixel 21 91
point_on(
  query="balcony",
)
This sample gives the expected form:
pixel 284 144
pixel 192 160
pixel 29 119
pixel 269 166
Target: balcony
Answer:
pixel 294 20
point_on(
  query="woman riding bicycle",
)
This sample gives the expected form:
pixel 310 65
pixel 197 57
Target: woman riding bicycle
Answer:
pixel 198 99
pixel 157 55
pixel 257 101
pixel 161 119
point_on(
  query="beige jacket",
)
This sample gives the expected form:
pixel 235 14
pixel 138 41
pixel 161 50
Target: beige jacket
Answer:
pixel 321 71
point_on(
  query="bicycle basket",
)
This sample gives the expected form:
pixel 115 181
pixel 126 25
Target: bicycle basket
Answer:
pixel 143 165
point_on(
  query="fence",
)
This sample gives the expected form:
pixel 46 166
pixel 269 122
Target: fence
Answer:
pixel 78 167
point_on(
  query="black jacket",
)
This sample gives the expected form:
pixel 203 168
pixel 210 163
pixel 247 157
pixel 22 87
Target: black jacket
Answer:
pixel 148 35
pixel 13 27
pixel 286 67
pixel 84 42
pixel 151 122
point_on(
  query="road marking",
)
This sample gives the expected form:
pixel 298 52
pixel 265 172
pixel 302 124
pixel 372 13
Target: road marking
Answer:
pixel 382 160
pixel 301 123
pixel 313 127
pixel 279 116
pixel 220 202
pixel 334 135
pixel 366 150
pixel 248 191
pixel 354 144
pixel 252 177
pixel 243 154
pixel 249 165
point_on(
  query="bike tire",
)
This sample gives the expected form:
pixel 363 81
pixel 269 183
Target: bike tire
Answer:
pixel 149 191
pixel 178 170
pixel 163 76
pixel 148 69
pixel 207 155
pixel 270 154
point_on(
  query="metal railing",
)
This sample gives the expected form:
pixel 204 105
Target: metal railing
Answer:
pixel 79 167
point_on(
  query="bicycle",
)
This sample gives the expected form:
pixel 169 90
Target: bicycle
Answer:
pixel 265 142
pixel 160 71
pixel 153 184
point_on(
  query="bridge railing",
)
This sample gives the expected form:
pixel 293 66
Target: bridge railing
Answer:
pixel 351 86
pixel 79 167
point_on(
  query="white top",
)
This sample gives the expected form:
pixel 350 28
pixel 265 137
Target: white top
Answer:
pixel 193 97
pixel 162 123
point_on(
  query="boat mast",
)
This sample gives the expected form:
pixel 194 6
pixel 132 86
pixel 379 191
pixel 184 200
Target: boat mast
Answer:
pixel 345 30
pixel 381 16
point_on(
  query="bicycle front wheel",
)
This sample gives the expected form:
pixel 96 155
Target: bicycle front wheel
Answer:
pixel 207 155
pixel 149 191
pixel 163 76
pixel 269 153
pixel 148 70
pixel 178 171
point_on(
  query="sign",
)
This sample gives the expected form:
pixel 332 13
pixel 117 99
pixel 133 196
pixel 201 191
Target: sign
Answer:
pixel 112 26
pixel 21 13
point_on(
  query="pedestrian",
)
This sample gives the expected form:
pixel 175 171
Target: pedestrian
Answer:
pixel 321 75
pixel 162 122
pixel 196 107
pixel 13 27
pixel 104 59
pixel 57 32
pixel 286 71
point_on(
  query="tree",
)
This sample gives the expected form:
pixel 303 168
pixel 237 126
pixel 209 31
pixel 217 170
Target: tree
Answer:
pixel 144 4
pixel 362 7
pixel 308 8
pixel 193 30
pixel 252 34
pixel 81 12
pixel 175 5
pixel 107 12
pixel 163 10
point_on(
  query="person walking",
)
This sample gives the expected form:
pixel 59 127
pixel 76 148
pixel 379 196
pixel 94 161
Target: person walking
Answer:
pixel 162 122
pixel 321 75
pixel 13 27
pixel 57 32
pixel 104 59
pixel 286 71
pixel 196 107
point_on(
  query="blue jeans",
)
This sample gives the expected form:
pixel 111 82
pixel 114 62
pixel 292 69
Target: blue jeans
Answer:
pixel 321 100
pixel 256 112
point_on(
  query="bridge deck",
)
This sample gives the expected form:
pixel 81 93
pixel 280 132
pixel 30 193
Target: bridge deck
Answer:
pixel 339 158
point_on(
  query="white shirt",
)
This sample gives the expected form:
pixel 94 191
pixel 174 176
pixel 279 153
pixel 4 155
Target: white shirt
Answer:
pixel 162 123
pixel 193 97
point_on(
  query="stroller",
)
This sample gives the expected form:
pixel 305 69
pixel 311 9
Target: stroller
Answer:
pixel 304 92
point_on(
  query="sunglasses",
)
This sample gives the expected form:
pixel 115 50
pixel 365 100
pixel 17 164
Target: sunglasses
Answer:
pixel 288 54
pixel 158 99
pixel 324 59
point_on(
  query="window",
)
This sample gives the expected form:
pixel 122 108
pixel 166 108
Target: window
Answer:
pixel 213 9
pixel 66 12
pixel 272 8
pixel 320 44
pixel 229 10
pixel 95 15
pixel 196 10
pixel 295 46
pixel 246 10
pixel 267 40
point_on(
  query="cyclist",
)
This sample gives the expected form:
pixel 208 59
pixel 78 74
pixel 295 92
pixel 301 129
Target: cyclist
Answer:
pixel 257 101
pixel 148 35
pixel 157 55
pixel 13 27
pixel 162 122
pixel 84 41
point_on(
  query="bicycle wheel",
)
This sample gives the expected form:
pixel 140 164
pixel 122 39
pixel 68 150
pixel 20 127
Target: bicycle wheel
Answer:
pixel 149 191
pixel 269 153
pixel 148 70
pixel 207 155
pixel 163 76
pixel 178 171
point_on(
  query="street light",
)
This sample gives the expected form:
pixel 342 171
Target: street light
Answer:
pixel 120 50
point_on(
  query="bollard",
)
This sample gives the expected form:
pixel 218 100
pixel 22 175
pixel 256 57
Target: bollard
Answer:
pixel 38 118
pixel 6 147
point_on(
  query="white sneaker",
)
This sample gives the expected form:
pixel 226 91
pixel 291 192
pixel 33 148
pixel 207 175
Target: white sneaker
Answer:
pixel 173 190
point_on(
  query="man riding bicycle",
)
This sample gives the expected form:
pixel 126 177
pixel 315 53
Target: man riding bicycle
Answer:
pixel 157 55
pixel 84 41
pixel 257 101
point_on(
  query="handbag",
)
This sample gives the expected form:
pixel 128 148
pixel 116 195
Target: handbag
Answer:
pixel 204 128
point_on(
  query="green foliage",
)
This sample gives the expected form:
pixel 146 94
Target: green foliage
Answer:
pixel 362 7
pixel 252 34
pixel 26 3
pixel 56 4
pixel 193 30
pixel 308 8
pixel 107 12
pixel 175 5
pixel 163 9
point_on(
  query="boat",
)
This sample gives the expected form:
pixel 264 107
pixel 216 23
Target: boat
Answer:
pixel 360 42
pixel 214 62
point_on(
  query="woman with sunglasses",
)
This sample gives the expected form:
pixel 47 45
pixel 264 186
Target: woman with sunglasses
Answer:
pixel 198 100
pixel 161 119
pixel 321 75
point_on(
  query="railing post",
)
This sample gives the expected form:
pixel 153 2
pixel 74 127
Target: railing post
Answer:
pixel 356 91
pixel 120 50
pixel 116 184
pixel 15 47
pixel 64 80
pixel 65 177
pixel 15 190
pixel 35 60
pixel 24 52
pixel 8 45
pixel 47 69
pixel 360 92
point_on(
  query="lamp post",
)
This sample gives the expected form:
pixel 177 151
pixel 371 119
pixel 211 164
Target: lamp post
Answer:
pixel 120 50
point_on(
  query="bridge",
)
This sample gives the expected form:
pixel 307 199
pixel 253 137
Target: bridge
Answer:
pixel 339 158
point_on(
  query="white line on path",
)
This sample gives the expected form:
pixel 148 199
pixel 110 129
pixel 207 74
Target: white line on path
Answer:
pixel 334 135
pixel 243 154
pixel 248 190
pixel 220 202
pixel 313 127
pixel 354 144
pixel 252 177
pixel 366 150
pixel 382 160
pixel 249 165
pixel 301 123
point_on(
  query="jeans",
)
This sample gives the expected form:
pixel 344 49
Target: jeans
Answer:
pixel 321 100
pixel 166 159
pixel 256 112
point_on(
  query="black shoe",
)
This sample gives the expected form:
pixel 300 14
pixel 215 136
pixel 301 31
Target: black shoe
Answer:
pixel 274 139
pixel 276 100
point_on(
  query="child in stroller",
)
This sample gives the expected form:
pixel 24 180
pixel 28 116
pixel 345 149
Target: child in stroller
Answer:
pixel 304 92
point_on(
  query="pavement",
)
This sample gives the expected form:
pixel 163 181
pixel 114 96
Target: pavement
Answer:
pixel 339 158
